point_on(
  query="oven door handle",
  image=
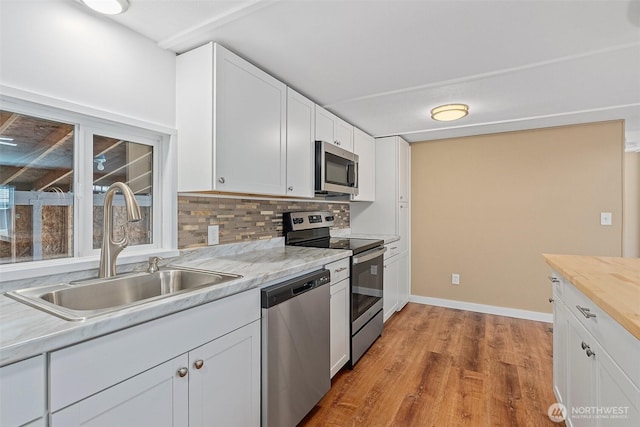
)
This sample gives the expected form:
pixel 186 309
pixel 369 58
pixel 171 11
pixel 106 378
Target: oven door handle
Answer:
pixel 367 256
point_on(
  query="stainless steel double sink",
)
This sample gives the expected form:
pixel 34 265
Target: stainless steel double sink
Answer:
pixel 94 297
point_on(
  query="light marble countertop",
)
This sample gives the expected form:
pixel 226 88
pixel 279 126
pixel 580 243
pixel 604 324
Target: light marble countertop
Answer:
pixel 26 331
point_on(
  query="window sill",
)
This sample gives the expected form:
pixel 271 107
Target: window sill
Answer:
pixel 34 269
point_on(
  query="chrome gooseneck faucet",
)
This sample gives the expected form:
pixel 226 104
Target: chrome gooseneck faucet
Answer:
pixel 110 247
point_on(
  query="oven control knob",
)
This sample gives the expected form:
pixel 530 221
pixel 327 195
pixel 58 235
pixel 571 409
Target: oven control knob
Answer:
pixel 328 218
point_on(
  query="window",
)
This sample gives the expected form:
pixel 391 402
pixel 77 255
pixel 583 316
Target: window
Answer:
pixel 55 168
pixel 36 185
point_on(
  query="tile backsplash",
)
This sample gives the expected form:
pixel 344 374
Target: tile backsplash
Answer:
pixel 242 220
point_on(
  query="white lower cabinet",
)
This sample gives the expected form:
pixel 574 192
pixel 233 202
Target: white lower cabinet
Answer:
pixel 339 325
pixel 158 397
pixel 224 380
pixel 199 367
pixel 595 363
pixel 340 314
pixel 390 290
pixel 22 392
pixel 404 280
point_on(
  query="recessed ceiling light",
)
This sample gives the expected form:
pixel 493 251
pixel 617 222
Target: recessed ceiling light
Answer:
pixel 446 113
pixel 108 7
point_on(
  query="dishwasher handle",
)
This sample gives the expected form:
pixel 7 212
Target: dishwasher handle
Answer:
pixel 302 289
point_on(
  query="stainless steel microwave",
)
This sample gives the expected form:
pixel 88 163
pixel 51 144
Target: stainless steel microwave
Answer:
pixel 336 170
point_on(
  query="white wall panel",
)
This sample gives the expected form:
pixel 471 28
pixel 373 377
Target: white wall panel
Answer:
pixel 61 49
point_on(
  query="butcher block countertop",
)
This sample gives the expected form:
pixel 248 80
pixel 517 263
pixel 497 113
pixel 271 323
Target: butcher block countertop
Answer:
pixel 611 283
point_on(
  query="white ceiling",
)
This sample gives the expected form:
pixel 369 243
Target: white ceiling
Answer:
pixel 382 65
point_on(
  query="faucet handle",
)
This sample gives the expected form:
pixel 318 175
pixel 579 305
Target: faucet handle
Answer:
pixel 153 264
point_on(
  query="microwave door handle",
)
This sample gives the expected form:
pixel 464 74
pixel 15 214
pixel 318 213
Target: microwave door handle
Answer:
pixel 355 171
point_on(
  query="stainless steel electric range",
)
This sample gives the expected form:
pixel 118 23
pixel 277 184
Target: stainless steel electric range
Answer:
pixel 311 229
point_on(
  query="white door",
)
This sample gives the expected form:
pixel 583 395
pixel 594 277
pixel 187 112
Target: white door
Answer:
pixel 404 280
pixel 158 397
pixel 390 289
pixel 581 373
pixel 339 325
pixel 324 125
pixel 403 170
pixel 250 127
pixel 301 121
pixel 224 387
pixel 559 349
pixel 343 132
pixel 617 394
pixel 364 146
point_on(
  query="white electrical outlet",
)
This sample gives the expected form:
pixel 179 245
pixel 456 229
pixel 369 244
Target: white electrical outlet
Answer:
pixel 212 238
pixel 605 218
pixel 455 279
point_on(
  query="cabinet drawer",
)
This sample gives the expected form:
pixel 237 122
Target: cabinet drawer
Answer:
pixel 623 347
pixel 22 391
pixel 339 270
pixel 393 249
pixel 89 367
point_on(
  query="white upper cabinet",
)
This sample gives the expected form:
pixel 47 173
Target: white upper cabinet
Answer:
pixel 301 120
pixel 331 128
pixel 404 170
pixel 231 119
pixel 365 147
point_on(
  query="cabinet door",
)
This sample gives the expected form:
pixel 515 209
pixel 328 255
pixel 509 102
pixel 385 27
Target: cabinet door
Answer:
pixel 22 391
pixel 324 125
pixel 404 168
pixel 618 397
pixel 365 148
pixel 339 325
pixel 559 349
pixel 404 280
pixel 581 374
pixel 404 227
pixel 250 110
pixel 225 389
pixel 155 398
pixel 301 121
pixel 390 289
pixel 343 133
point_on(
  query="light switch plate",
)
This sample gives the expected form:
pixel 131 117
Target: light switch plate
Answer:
pixel 455 279
pixel 212 238
pixel 605 218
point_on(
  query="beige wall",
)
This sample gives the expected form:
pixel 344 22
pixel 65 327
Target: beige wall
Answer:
pixel 487 207
pixel 631 205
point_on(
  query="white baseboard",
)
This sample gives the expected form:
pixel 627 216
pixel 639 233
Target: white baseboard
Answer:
pixel 482 308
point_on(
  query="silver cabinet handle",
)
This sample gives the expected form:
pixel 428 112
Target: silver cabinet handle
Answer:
pixel 221 180
pixel 290 188
pixel 587 349
pixel 586 312
pixel 182 372
pixel 199 363
pixel 341 269
pixel 553 279
pixel 393 247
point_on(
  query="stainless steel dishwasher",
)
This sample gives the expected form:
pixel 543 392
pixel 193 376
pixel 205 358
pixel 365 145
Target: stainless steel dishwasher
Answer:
pixel 295 348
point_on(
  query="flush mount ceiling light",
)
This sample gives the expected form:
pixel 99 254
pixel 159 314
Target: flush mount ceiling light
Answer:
pixel 108 7
pixel 446 113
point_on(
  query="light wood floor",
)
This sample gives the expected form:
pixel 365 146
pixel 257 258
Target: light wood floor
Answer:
pixel 436 366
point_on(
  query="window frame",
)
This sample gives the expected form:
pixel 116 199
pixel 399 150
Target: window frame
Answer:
pixel 88 122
